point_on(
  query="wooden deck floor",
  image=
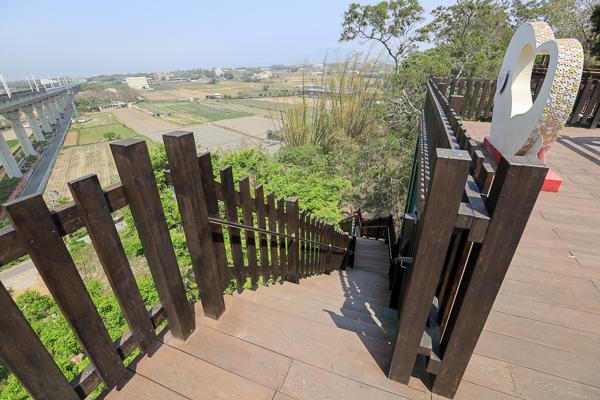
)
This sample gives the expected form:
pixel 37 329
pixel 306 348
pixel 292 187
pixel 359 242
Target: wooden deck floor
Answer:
pixel 330 336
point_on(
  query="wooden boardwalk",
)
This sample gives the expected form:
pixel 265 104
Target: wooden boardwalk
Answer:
pixel 331 336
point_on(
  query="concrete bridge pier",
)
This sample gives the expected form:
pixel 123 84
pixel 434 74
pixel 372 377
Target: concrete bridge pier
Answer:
pixel 55 107
pixel 33 123
pixel 8 161
pixel 61 102
pixel 39 107
pixel 50 111
pixel 15 122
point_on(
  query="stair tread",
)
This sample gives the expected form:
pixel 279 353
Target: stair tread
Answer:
pixel 380 295
pixel 319 301
pixel 342 318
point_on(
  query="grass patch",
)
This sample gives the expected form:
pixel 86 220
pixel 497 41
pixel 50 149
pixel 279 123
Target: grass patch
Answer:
pixel 186 113
pixel 7 186
pixel 99 120
pixel 13 144
pixel 95 134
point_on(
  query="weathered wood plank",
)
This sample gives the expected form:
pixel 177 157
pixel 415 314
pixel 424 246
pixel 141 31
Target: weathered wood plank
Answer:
pixel 187 181
pixel 434 233
pixel 261 212
pixel 98 220
pixel 31 219
pixel 281 224
pixel 516 187
pixel 293 244
pixel 273 227
pixel 235 238
pixel 212 209
pixel 26 357
pixel 302 244
pixel 137 176
pixel 248 217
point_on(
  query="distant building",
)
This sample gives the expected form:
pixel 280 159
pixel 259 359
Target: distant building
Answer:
pixel 320 66
pixel 111 90
pixel 219 71
pixel 167 75
pixel 111 106
pixel 138 82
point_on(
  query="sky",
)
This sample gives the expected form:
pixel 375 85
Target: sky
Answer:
pixel 89 38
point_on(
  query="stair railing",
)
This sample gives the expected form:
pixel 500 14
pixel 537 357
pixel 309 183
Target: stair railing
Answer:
pixel 295 244
pixel 456 244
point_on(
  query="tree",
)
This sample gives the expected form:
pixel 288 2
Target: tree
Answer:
pixel 397 25
pixel 81 103
pixel 111 136
pixel 213 81
pixel 477 33
pixel 595 21
pixel 228 75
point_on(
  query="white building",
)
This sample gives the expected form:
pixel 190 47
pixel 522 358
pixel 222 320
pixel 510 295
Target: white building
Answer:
pixel 219 71
pixel 138 82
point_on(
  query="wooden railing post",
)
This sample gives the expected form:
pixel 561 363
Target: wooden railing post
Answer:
pixel 235 238
pixel 434 232
pixel 185 172
pixel 292 214
pixel 248 217
pixel 32 221
pixel 302 244
pixel 95 213
pixel 261 212
pixel 137 177
pixel 512 197
pixel 281 223
pixel 26 357
pixel 212 208
pixel 329 256
pixel 273 228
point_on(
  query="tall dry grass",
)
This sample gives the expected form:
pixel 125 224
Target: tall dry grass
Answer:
pixel 343 112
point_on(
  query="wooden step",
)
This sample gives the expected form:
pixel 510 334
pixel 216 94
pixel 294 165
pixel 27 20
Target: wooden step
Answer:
pixel 339 295
pixel 350 283
pixel 318 301
pixel 360 358
pixel 383 295
pixel 349 320
pixel 368 280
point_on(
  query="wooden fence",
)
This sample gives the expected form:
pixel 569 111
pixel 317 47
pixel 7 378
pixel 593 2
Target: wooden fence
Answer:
pixel 478 96
pixel 462 225
pixel 288 242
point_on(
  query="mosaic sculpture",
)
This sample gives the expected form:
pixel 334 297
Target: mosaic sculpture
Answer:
pixel 520 125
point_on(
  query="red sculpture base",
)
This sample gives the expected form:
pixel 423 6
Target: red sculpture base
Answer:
pixel 552 182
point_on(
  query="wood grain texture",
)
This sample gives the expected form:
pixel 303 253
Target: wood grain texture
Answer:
pixel 248 220
pixel 293 245
pixel 235 238
pixel 433 236
pixel 32 221
pixel 212 209
pixel 273 227
pixel 26 357
pixel 281 225
pixel 137 177
pixel 99 223
pixel 187 181
pixel 261 213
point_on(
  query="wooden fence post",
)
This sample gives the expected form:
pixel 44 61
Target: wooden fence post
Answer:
pixel 26 357
pixel 273 227
pixel 261 212
pixel 281 223
pixel 302 244
pixel 435 229
pixel 512 197
pixel 329 256
pixel 292 214
pixel 95 213
pixel 137 177
pixel 32 221
pixel 185 172
pixel 212 208
pixel 235 238
pixel 248 217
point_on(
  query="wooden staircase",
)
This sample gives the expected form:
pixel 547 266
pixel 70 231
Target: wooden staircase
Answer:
pixel 331 335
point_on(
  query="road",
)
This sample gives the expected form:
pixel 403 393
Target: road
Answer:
pixel 33 185
pixel 16 270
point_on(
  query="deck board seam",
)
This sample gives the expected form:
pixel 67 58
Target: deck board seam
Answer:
pixel 157 383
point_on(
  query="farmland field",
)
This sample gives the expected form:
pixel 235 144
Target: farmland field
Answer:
pixel 143 123
pixel 254 126
pixel 94 135
pixel 99 120
pixel 186 113
pixel 235 106
pixel 71 139
pixel 75 162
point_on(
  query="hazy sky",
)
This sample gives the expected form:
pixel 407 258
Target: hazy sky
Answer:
pixel 87 38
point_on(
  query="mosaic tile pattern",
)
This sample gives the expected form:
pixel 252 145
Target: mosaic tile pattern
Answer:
pixel 564 87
